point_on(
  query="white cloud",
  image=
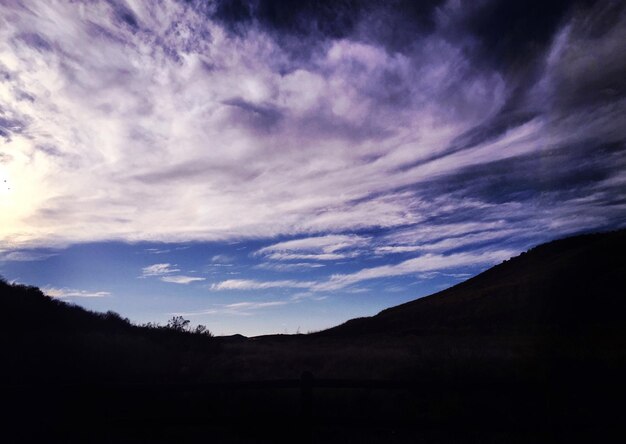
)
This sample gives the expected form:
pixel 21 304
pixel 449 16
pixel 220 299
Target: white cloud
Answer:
pixel 310 256
pixel 245 308
pixel 165 273
pixel 224 144
pixel 320 248
pixel 326 244
pixel 307 295
pixel 157 250
pixel 427 263
pixel 179 279
pixel 434 241
pixel 254 305
pixel 397 249
pixel 429 233
pixel 24 256
pixel 158 269
pixel 294 266
pixel 250 284
pixel 222 259
pixel 73 293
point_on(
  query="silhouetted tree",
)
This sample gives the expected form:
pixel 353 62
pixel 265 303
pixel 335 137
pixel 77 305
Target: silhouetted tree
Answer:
pixel 178 323
pixel 202 330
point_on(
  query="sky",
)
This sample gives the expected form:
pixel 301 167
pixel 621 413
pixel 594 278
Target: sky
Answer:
pixel 268 166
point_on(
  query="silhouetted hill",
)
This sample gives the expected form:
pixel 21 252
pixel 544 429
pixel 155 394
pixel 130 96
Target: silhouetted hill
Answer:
pixel 44 339
pixel 568 285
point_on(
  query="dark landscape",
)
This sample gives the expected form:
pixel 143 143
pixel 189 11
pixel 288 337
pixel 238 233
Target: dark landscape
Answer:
pixel 531 350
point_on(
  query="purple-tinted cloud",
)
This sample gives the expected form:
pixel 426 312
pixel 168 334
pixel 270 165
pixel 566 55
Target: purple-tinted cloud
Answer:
pixel 352 130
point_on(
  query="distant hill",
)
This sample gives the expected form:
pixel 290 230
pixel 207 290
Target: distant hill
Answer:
pixel 573 284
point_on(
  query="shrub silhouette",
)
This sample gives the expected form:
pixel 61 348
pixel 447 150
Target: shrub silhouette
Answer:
pixel 178 323
pixel 202 330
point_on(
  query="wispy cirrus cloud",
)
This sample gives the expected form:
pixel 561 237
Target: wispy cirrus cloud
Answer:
pixel 181 279
pixel 24 256
pixel 222 259
pixel 166 273
pixel 427 263
pixel 414 240
pixel 244 308
pixel 355 130
pixel 319 248
pixel 157 250
pixel 158 269
pixel 292 266
pixel 250 284
pixel 73 293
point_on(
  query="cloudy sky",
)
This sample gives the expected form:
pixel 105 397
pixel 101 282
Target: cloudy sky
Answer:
pixel 273 166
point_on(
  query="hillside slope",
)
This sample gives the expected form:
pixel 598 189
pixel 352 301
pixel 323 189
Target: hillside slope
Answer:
pixel 44 339
pixel 572 284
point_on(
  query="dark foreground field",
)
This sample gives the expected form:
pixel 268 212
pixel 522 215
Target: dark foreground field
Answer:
pixel 532 350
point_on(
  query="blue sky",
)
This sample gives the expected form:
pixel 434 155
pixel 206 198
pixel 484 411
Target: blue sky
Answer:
pixel 253 287
pixel 263 166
